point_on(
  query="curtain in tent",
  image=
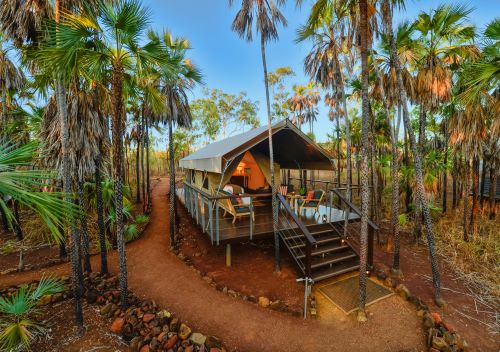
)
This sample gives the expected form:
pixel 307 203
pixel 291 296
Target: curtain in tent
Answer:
pixel 214 179
pixel 263 163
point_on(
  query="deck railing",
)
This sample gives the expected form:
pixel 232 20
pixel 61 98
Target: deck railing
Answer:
pixel 205 208
pixel 347 232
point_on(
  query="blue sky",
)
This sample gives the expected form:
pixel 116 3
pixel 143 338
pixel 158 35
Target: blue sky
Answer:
pixel 234 65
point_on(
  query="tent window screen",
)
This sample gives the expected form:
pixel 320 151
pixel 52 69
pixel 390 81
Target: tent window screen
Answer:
pixel 205 180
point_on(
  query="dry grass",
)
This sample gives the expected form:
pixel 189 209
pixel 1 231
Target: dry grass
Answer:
pixel 476 262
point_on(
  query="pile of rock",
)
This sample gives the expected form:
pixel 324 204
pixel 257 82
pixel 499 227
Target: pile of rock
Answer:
pixel 144 325
pixel 441 336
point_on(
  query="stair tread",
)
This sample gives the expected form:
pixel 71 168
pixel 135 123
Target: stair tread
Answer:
pixel 319 241
pixel 333 258
pixel 313 233
pixel 326 249
pixel 340 269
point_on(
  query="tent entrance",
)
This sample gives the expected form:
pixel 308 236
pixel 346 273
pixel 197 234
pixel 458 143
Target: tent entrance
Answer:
pixel 250 174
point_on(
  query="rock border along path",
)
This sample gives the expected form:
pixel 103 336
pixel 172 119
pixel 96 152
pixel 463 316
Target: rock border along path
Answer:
pixel 156 273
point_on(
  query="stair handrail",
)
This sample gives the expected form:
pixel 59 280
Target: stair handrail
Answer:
pixel 310 240
pixel 354 207
pixel 372 226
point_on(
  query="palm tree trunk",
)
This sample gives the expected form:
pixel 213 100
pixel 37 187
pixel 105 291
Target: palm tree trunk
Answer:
pixel 466 200
pixel 475 188
pixel 483 179
pixel 148 180
pixel 420 191
pixel 143 183
pixel 337 123
pixel 76 268
pixel 417 229
pixel 493 189
pixel 5 222
pixel 117 137
pixel 445 174
pixel 454 200
pixel 340 84
pixel 16 224
pixel 83 223
pixel 365 192
pixel 100 215
pixel 394 179
pixel 277 266
pixel 172 174
pixel 3 120
pixel 137 167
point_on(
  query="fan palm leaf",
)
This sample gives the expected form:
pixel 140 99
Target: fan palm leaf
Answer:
pixel 17 327
pixel 25 185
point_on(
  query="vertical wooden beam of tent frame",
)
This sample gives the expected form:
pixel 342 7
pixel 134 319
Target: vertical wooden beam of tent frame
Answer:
pixel 228 245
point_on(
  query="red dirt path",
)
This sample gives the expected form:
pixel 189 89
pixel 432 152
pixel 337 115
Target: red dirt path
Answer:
pixel 156 273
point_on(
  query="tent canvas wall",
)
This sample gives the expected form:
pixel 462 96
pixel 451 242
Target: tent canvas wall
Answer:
pixel 214 164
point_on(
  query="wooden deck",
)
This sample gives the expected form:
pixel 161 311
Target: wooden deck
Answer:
pixel 263 224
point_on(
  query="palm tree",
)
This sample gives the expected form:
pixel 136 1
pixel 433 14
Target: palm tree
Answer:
pixel 323 62
pixel 175 80
pixel 86 131
pixel 394 174
pixel 22 21
pixel 114 48
pixel 365 192
pixel 18 328
pixel 10 79
pixel 20 182
pixel 478 81
pixel 267 17
pixel 445 38
pixel 420 190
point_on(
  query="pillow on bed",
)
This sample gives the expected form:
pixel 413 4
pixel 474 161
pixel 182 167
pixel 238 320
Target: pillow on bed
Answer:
pixel 310 195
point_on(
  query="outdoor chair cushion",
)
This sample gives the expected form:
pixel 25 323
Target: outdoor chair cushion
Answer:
pixel 242 209
pixel 309 203
pixel 233 199
pixel 317 194
pixel 310 195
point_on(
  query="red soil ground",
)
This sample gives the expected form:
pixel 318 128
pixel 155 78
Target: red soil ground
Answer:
pixel 64 336
pixel 156 273
pixel 461 310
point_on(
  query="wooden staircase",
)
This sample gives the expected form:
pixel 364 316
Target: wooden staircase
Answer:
pixel 330 256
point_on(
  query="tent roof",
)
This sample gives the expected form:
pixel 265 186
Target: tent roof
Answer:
pixel 292 149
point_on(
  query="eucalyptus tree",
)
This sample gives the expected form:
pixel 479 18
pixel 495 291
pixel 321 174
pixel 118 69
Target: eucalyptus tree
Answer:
pixel 276 79
pixel 175 79
pixel 417 158
pixel 267 16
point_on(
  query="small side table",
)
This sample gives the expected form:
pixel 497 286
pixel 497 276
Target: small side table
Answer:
pixel 292 199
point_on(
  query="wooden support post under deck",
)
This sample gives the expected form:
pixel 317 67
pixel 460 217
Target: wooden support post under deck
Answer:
pixel 228 254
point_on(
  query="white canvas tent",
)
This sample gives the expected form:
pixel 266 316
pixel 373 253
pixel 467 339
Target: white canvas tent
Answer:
pixel 293 149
